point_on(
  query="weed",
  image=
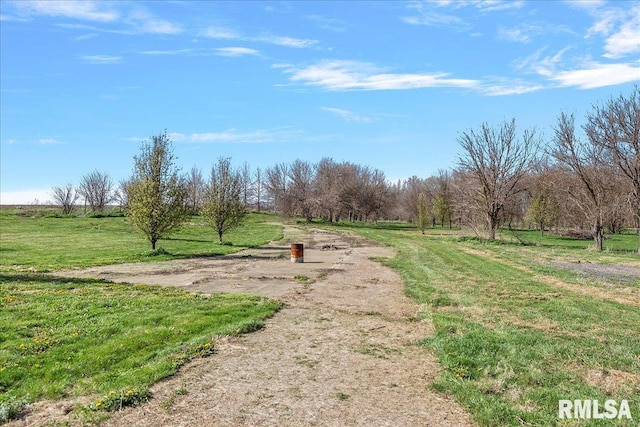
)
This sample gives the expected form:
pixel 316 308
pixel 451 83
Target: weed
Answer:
pixel 117 400
pixel 11 408
pixel 341 396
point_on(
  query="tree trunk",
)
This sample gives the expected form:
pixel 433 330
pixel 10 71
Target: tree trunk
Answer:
pixel 220 236
pixel 153 244
pixel 598 235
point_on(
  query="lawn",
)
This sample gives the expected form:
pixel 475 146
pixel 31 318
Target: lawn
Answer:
pixel 45 243
pixel 516 331
pixel 100 342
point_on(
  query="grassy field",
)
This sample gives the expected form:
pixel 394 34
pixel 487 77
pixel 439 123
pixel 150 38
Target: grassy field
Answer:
pixel 42 243
pixel 518 327
pixel 69 338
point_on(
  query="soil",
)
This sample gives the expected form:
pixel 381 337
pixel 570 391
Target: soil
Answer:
pixel 342 352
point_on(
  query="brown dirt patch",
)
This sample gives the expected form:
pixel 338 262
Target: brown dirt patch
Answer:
pixel 613 381
pixel 341 352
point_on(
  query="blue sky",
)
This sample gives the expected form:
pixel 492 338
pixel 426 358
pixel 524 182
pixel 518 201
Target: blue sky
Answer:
pixel 385 84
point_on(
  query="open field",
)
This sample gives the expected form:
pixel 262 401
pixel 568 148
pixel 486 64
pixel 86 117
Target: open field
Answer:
pixel 513 328
pixel 49 243
pixel 520 327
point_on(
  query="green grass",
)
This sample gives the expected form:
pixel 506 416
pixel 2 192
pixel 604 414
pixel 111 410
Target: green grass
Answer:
pixel 511 343
pixel 64 338
pixel 47 243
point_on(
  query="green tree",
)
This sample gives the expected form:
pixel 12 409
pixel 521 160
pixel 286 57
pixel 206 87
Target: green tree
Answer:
pixel 223 204
pixel 543 211
pixel 424 215
pixel 156 194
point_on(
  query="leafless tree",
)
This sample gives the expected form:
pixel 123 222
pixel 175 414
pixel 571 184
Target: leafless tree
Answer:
pixel 195 190
pixel 246 184
pixel 258 187
pixel 498 160
pixel 65 196
pixel 97 190
pixel 301 189
pixel 328 185
pixel 277 185
pixel 615 126
pixel 590 189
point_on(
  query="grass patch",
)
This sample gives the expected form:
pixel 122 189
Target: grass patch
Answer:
pixel 64 338
pixel 512 343
pixel 44 243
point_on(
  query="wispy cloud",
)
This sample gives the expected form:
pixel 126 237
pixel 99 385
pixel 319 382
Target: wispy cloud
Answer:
pixel 102 59
pixel 626 40
pixel 620 27
pixel 578 71
pixel 236 51
pixel 234 136
pixel 49 141
pixel 443 13
pixel 84 10
pixel 144 22
pixel 120 17
pixel 341 75
pixel 225 33
pixel 347 115
pixel 596 75
pixel 329 24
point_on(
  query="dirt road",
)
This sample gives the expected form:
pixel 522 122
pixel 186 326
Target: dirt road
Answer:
pixel 340 353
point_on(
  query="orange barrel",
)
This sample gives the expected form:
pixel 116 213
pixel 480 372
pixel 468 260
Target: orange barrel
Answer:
pixel 297 252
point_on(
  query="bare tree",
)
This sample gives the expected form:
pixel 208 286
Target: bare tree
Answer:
pixel 156 194
pixel 195 190
pixel 258 186
pixel 65 196
pixel 97 190
pixel 277 185
pixel 587 162
pixel 498 160
pixel 246 184
pixel 223 204
pixel 615 127
pixel 301 189
pixel 328 184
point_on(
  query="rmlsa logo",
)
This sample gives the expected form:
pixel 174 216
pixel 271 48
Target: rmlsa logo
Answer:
pixel 591 409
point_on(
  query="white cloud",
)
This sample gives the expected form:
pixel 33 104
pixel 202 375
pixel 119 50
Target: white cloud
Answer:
pixel 136 19
pixel 102 59
pixel 220 33
pixel 233 136
pixel 347 115
pixel 340 75
pixel 236 51
pixel 77 9
pixel 49 141
pixel 285 41
pixel 230 34
pixel 596 75
pixel 144 22
pixel 626 40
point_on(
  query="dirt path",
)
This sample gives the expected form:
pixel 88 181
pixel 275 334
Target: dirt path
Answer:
pixel 340 353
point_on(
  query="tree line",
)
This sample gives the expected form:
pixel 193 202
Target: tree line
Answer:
pixel 503 177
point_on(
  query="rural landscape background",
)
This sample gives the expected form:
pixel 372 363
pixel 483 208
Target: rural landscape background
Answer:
pixel 473 228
